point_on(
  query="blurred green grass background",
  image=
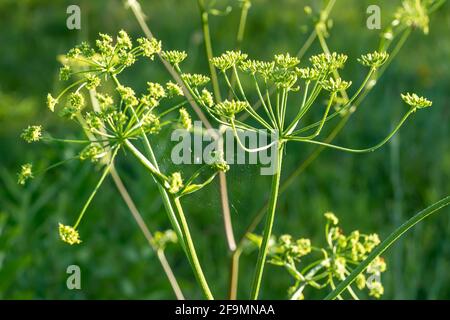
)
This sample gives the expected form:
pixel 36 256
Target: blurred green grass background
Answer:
pixel 373 192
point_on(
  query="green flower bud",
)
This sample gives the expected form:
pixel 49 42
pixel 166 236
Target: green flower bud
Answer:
pixel 174 57
pixel 92 81
pixel 68 234
pixel 32 134
pixel 195 80
pixel 175 183
pixel 104 100
pixel 185 119
pixel 286 61
pixel 377 266
pixel 228 60
pixel 51 102
pixel 330 216
pixel 123 40
pixel 207 98
pixel 26 173
pixel 335 85
pixel 162 239
pixel 64 73
pixel 376 289
pixel 156 90
pixel 93 152
pixel 415 101
pixel 229 108
pixel 374 60
pixel 173 90
pixel 325 63
pixel 149 47
pixel 128 96
pixel 360 281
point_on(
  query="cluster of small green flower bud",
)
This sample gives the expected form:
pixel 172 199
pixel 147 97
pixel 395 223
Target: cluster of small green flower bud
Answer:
pixel 416 102
pixel 286 250
pixel 328 62
pixel 93 152
pixel 174 57
pixel 347 251
pixel 229 109
pixel 75 104
pixel 174 183
pixel 334 85
pixel 337 259
pixel 374 59
pixel 413 13
pixel 32 134
pixel 68 234
pixel 25 173
pixel 185 119
pixel 228 60
pixel 195 80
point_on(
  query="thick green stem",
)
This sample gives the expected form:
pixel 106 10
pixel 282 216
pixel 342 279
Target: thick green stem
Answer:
pixel 394 236
pixel 178 222
pixel 268 226
pixel 190 251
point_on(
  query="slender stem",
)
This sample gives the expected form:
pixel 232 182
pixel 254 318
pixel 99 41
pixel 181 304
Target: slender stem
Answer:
pixel 383 246
pixel 371 149
pixel 208 49
pixel 234 274
pixel 190 250
pixel 268 227
pixel 147 234
pixel 94 192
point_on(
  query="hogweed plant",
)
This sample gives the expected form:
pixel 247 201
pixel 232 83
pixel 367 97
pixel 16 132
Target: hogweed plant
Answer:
pixel 298 86
pixel 277 96
pixel 124 119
